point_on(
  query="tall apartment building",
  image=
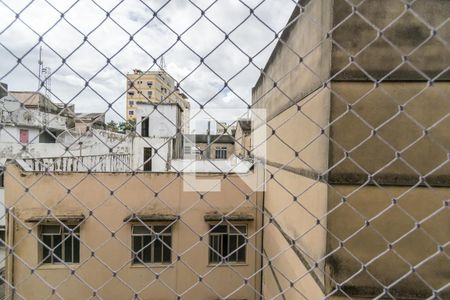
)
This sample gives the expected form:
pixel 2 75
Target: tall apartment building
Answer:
pixel 154 87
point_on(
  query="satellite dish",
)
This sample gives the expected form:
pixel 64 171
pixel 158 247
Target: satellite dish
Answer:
pixel 9 103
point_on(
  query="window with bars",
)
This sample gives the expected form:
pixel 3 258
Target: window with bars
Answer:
pixel 60 244
pixel 152 244
pixel 227 243
pixel 221 152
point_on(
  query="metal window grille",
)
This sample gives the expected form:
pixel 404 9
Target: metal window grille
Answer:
pixel 152 244
pixel 227 243
pixel 60 244
pixel 221 152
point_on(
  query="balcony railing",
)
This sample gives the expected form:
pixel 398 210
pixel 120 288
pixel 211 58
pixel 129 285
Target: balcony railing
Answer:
pixel 34 118
pixel 92 163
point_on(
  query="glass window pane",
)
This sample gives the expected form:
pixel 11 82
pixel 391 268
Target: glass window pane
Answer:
pixel 218 228
pixel 167 249
pixel 147 252
pixel 241 251
pixel 51 229
pixel 137 246
pixel 232 248
pixel 68 250
pixel 47 240
pixel 157 251
pixel 76 250
pixel 57 250
pixel 141 230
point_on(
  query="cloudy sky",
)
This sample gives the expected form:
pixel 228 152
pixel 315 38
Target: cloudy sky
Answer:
pixel 109 37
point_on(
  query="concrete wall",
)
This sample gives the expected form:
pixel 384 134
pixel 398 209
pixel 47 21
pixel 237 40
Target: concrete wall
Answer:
pixel 389 223
pixel 11 134
pixel 404 34
pixel 242 144
pixel 136 194
pixel 302 60
pixel 396 131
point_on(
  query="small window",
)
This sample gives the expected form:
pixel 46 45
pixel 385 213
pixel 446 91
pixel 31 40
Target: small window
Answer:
pixel 221 152
pixel 131 113
pixel 2 236
pixel 152 244
pixel 149 83
pixel 149 94
pixel 130 93
pixel 144 126
pixel 227 243
pixel 24 136
pixel 131 103
pixel 162 97
pixel 2 177
pixel 147 158
pixel 60 243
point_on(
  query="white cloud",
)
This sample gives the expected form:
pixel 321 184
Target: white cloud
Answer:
pixel 151 38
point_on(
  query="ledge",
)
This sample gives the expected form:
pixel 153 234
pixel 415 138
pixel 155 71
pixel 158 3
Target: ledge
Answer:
pixel 57 218
pixel 150 218
pixel 216 217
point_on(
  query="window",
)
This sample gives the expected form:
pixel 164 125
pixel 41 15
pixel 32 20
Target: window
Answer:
pixel 147 159
pixel 149 83
pixel 131 113
pixel 131 103
pixel 144 126
pixel 24 136
pixel 149 94
pixel 227 243
pixel 58 244
pixel 152 244
pixel 187 149
pixel 130 93
pixel 221 152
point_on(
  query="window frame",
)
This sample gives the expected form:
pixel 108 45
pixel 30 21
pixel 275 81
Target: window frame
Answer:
pixel 167 231
pixel 221 149
pixel 64 235
pixel 225 259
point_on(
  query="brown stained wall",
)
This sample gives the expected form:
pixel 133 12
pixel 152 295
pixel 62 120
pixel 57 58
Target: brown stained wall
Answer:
pixel 394 224
pixel 137 194
pixel 405 33
pixel 397 131
pixel 295 200
pixel 303 38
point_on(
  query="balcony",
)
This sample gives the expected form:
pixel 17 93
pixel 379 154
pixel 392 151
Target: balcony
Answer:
pixel 34 118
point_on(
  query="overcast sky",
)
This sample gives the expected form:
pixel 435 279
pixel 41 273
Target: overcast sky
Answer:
pixel 153 38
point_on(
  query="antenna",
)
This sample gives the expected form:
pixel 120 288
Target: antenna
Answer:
pixel 44 80
pixel 40 63
pixel 162 63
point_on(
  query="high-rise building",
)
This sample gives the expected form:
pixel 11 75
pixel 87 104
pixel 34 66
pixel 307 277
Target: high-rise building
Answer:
pixel 154 87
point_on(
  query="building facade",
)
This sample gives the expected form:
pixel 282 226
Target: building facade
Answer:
pixel 155 87
pixel 360 144
pixel 141 241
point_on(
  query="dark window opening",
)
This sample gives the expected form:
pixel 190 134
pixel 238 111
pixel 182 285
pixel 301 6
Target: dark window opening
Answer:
pixel 152 244
pixel 227 243
pixel 147 159
pixel 144 126
pixel 60 244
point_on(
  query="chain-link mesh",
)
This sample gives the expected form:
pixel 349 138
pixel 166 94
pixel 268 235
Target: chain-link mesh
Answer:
pixel 195 149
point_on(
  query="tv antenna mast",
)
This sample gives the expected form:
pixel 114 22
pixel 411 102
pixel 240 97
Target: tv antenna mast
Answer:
pixel 162 63
pixel 44 80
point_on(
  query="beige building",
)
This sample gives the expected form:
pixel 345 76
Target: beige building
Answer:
pixel 358 150
pixel 140 240
pixel 242 138
pixel 154 87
